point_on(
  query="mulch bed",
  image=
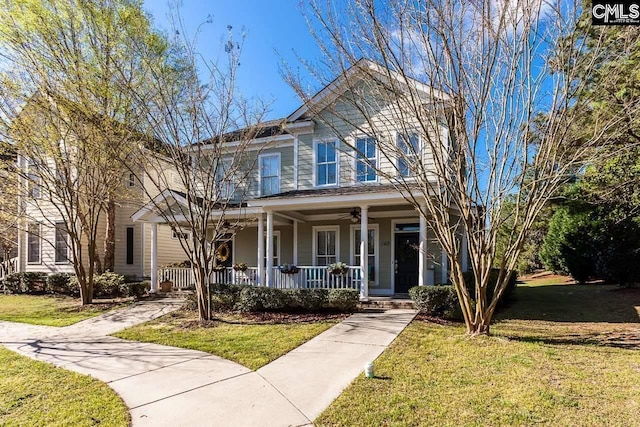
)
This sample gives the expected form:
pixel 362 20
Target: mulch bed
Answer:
pixel 264 318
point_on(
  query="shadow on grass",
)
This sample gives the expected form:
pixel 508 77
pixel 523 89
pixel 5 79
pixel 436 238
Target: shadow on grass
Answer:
pixel 629 340
pixel 574 303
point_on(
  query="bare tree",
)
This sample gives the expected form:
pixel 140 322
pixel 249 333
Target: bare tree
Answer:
pixel 481 94
pixel 200 171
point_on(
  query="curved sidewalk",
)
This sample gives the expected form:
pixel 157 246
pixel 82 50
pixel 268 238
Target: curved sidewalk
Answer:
pixel 168 386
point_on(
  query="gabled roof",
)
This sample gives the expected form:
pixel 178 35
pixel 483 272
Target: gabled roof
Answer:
pixel 360 70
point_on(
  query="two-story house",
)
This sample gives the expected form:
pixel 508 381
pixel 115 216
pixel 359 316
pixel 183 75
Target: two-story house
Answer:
pixel 318 196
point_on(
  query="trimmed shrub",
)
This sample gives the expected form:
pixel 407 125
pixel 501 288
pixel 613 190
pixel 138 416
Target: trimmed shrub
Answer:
pixel 343 299
pixel 109 285
pixel 58 283
pixel 438 301
pixel 26 283
pixel 138 289
pixel 253 298
pixel 12 283
pixel 312 299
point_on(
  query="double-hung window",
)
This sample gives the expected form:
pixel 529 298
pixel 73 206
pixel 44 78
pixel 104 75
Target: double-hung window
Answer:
pixel 33 178
pixel 269 174
pixel 366 160
pixel 326 163
pixel 408 153
pixel 224 178
pixel 33 243
pixel 62 243
pixel 326 245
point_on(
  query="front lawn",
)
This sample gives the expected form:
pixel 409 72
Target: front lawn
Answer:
pixel 561 355
pixel 49 310
pixel 34 393
pixel 242 339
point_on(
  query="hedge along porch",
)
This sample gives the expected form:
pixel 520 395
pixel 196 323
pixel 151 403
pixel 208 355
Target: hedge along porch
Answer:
pixel 310 229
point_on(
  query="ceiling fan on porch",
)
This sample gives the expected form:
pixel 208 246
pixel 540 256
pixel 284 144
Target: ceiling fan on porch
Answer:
pixel 355 216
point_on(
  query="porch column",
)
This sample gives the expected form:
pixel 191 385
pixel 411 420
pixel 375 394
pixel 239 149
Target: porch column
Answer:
pixel 261 280
pixel 364 252
pixel 445 267
pixel 295 243
pixel 422 254
pixel 154 258
pixel 269 274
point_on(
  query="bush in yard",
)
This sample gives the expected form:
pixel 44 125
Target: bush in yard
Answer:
pixel 343 299
pixel 254 298
pixel 12 283
pixel 109 285
pixel 437 301
pixel 26 283
pixel 138 289
pixel 60 283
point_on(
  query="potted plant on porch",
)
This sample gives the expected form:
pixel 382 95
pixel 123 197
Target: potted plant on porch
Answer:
pixel 240 266
pixel 289 269
pixel 338 268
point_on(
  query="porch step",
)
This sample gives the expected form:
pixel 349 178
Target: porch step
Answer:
pixel 386 303
pixel 172 294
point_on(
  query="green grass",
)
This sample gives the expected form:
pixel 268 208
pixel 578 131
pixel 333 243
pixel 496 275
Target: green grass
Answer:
pixel 35 393
pixel 251 345
pixel 48 310
pixel 561 355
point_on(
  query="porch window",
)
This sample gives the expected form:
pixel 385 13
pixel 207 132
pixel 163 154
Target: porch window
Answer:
pixel 276 249
pixel 62 244
pixel 366 160
pixel 269 174
pixel 326 245
pixel 326 163
pixel 372 249
pixel 224 178
pixel 33 243
pixel 33 179
pixel 408 153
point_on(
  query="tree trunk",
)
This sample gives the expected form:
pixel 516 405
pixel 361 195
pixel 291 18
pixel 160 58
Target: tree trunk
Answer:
pixel 204 302
pixel 110 237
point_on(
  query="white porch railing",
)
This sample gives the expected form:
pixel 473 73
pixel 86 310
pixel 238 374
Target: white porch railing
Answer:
pixel 309 277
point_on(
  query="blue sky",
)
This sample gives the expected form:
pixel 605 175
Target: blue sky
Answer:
pixel 271 26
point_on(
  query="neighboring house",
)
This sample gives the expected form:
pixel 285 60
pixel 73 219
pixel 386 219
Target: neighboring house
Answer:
pixel 312 202
pixel 43 242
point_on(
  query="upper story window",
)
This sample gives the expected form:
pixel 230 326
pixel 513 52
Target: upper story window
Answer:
pixel 33 179
pixel 408 153
pixel 224 178
pixel 131 182
pixel 366 160
pixel 326 163
pixel 269 174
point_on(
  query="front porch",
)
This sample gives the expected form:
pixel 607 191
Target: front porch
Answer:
pixel 313 229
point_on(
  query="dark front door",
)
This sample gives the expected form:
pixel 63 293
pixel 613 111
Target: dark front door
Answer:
pixel 406 261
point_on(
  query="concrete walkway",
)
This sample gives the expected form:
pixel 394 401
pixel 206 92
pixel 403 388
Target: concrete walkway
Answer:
pixel 168 386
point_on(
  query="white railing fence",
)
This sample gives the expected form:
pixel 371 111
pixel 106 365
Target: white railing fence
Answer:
pixel 7 267
pixel 308 277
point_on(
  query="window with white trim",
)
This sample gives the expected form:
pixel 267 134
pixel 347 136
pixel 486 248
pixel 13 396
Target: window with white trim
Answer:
pixel 62 243
pixel 326 163
pixel 366 159
pixel 33 178
pixel 177 235
pixel 269 174
pixel 224 178
pixel 408 152
pixel 131 182
pixel 33 243
pixel 326 245
pixel 276 249
pixel 372 249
